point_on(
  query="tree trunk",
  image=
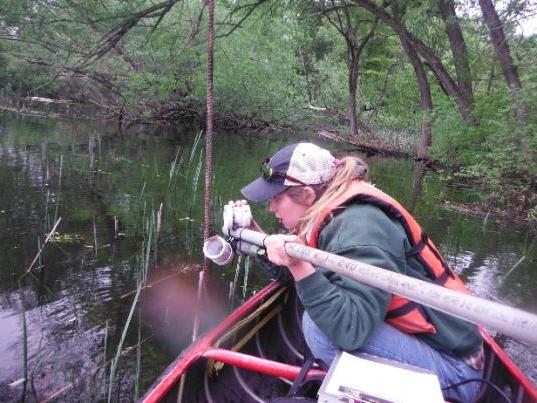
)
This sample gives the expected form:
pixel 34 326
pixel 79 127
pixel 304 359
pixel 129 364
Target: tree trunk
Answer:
pixel 502 51
pixel 353 84
pixel 458 47
pixel 464 104
pixel 426 100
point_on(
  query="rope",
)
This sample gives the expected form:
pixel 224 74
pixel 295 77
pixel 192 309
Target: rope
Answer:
pixel 209 128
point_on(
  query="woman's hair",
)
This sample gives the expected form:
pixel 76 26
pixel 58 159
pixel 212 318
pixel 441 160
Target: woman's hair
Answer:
pixel 349 169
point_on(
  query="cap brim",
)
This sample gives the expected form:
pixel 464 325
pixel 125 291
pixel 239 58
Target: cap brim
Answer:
pixel 261 190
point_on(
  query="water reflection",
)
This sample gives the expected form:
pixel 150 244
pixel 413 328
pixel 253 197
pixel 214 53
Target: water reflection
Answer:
pixel 108 192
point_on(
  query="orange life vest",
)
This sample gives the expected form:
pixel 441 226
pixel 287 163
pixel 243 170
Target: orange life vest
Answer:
pixel 403 314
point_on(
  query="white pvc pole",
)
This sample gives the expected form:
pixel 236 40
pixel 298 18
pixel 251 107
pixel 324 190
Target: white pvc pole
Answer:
pixel 513 322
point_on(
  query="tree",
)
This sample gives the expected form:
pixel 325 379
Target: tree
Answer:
pixel 434 62
pixel 426 100
pixel 502 52
pixel 341 17
pixel 458 48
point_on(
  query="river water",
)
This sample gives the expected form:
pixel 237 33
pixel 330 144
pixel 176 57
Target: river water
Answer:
pixel 74 323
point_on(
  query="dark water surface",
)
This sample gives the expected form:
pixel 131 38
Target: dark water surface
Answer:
pixel 62 323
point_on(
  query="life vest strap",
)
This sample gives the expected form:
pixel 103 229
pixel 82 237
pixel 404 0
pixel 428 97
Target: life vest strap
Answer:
pixel 418 247
pixel 402 310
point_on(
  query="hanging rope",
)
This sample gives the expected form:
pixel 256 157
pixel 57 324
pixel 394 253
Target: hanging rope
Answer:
pixel 209 128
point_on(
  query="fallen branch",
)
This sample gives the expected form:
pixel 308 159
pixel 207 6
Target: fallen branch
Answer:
pixel 366 145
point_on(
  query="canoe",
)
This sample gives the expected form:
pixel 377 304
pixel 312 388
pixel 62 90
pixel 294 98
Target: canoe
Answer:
pixel 256 353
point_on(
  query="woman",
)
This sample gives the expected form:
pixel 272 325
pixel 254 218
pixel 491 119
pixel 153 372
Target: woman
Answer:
pixel 328 204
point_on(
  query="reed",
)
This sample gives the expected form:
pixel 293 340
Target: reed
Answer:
pixel 36 258
pixel 47 220
pixel 158 225
pixel 146 248
pixel 143 189
pixel 71 385
pixel 195 145
pixel 115 360
pixel 233 285
pixel 526 250
pixel 116 228
pixel 95 246
pixel 174 167
pixel 105 353
pixel 138 359
pixel 58 192
pixel 142 273
pixel 196 177
pixel 24 346
pixel 485 222
pixel 246 271
pixel 195 326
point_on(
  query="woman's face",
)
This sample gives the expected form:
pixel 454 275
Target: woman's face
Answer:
pixel 286 210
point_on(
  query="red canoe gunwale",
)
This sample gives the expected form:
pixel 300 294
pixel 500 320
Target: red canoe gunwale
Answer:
pixel 204 348
pixel 512 368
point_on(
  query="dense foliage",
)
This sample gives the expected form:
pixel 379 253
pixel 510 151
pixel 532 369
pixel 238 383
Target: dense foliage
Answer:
pixel 428 74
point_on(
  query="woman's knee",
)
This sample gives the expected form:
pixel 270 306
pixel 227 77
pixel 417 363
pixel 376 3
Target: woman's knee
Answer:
pixel 321 347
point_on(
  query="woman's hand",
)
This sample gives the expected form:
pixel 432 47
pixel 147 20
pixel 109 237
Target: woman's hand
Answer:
pixel 253 224
pixel 275 245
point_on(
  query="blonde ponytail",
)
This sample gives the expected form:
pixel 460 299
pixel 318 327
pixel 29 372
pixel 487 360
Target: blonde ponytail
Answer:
pixel 349 169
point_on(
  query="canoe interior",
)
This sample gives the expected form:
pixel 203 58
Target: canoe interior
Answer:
pixel 274 333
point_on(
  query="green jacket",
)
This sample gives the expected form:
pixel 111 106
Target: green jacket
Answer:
pixel 348 311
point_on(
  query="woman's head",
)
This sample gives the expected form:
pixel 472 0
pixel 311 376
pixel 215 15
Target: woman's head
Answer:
pixel 300 180
pixel 294 165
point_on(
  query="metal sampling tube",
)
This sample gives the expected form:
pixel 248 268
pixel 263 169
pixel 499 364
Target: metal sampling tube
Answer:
pixel 513 322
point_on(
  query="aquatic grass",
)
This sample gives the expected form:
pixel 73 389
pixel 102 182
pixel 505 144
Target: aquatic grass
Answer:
pixel 138 358
pixel 46 221
pixel 195 179
pixel 58 192
pixel 71 385
pixel 116 228
pixel 146 248
pixel 142 191
pixel 233 285
pixel 40 260
pixel 95 246
pixel 115 360
pixel 485 222
pixel 158 225
pixel 149 226
pixel 195 145
pixel 246 271
pixel 195 326
pixel 153 283
pixel 91 145
pixel 105 352
pixel 36 258
pixel 514 267
pixel 174 167
pixel 24 346
pixel 526 250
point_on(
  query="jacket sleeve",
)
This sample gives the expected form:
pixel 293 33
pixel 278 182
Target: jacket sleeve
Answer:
pixel 273 271
pixel 346 310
